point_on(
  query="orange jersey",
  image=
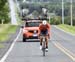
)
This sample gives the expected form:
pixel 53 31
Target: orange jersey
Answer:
pixel 44 27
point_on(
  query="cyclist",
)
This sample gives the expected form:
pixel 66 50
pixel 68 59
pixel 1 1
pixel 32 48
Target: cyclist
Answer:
pixel 44 29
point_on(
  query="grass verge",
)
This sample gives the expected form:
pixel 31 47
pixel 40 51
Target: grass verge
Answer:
pixel 5 30
pixel 67 28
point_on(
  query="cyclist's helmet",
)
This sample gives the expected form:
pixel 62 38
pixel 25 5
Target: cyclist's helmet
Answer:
pixel 44 22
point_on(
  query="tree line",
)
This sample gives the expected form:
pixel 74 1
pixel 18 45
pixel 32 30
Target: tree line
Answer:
pixel 55 8
pixel 4 11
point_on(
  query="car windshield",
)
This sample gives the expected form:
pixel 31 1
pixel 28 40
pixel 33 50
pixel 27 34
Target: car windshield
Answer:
pixel 32 24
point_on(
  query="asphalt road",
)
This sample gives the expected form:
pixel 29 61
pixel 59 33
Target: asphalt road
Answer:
pixel 61 49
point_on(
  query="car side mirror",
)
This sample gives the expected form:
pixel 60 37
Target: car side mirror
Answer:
pixel 22 26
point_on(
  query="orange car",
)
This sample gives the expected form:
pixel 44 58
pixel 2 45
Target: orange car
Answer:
pixel 31 30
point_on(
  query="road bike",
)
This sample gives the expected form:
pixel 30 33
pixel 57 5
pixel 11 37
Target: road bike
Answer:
pixel 43 44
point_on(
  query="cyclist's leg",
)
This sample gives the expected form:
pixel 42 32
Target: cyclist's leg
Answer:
pixel 41 40
pixel 40 43
pixel 46 41
pixel 46 44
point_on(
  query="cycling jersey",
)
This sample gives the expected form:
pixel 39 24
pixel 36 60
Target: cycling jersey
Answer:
pixel 44 27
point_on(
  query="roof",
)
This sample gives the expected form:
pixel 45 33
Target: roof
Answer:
pixel 34 21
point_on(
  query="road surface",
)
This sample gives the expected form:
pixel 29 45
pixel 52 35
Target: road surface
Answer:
pixel 61 49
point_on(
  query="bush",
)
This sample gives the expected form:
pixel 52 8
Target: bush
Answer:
pixel 55 20
pixel 52 21
pixel 68 20
pixel 5 18
pixel 73 21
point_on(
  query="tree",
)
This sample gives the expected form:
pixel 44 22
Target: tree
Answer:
pixel 4 11
pixel 2 4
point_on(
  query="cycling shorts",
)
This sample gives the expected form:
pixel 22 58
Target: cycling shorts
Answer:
pixel 44 32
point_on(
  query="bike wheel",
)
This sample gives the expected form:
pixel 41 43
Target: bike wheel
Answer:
pixel 43 49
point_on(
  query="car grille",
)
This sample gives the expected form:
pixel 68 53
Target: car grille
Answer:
pixel 31 31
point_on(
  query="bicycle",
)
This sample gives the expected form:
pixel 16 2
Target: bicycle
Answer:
pixel 43 44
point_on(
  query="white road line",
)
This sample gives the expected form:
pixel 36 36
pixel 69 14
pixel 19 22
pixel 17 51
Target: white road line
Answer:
pixel 65 31
pixel 64 51
pixel 9 50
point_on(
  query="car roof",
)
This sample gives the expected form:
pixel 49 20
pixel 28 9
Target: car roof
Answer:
pixel 34 21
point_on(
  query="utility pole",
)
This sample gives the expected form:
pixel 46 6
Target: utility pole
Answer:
pixel 12 12
pixel 17 3
pixel 71 14
pixel 62 12
pixel 24 0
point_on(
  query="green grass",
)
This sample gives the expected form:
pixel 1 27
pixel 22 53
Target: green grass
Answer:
pixel 67 28
pixel 5 30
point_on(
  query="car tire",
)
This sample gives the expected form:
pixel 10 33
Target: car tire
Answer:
pixel 24 39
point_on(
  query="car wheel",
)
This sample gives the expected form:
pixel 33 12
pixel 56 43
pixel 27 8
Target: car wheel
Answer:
pixel 24 39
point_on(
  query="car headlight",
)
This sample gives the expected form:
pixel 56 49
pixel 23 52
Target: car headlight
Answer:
pixel 25 30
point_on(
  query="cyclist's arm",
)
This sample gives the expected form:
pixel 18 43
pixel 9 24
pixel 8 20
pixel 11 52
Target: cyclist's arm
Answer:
pixel 39 29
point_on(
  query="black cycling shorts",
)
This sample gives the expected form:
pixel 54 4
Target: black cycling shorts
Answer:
pixel 44 32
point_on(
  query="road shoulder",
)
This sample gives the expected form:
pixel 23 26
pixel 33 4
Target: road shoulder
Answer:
pixel 64 31
pixel 8 43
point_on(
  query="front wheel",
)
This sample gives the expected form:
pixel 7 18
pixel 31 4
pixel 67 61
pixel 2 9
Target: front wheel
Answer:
pixel 43 47
pixel 43 51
